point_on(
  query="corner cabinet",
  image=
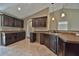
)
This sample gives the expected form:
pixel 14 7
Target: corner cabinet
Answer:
pixel 11 21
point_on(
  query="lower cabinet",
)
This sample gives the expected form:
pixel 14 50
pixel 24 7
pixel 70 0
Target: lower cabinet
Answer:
pixel 32 37
pixel 56 44
pixel 53 43
pixel 60 47
pixel 71 49
pixel 42 38
pixel 9 38
pixel 46 40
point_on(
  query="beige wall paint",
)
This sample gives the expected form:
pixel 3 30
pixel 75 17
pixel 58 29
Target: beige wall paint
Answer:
pixel 38 14
pixel 72 16
pixel 56 14
pixel 73 19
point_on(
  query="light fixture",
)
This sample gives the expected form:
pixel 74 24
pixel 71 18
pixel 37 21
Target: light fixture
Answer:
pixel 63 14
pixel 19 8
pixel 53 18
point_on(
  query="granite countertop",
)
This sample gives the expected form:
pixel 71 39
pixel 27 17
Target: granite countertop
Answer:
pixel 69 37
pixel 11 31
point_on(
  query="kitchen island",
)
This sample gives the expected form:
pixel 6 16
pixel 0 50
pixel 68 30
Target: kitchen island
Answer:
pixel 61 43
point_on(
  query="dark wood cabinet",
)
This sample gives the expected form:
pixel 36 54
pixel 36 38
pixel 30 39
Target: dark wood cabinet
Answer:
pixel 53 43
pixel 5 20
pixel 46 40
pixel 9 38
pixel 39 22
pixel 57 45
pixel 11 21
pixel 60 47
pixel 42 38
pixel 18 23
pixel 71 49
pixel 32 37
pixel 49 40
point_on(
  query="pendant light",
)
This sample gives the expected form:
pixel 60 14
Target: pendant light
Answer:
pixel 63 14
pixel 53 18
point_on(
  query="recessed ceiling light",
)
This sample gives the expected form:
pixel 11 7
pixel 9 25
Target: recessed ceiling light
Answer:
pixel 19 8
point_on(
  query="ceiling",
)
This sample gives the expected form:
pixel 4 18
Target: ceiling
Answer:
pixel 27 9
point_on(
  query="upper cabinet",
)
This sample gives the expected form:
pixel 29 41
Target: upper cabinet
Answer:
pixel 18 23
pixel 11 21
pixel 8 21
pixel 39 22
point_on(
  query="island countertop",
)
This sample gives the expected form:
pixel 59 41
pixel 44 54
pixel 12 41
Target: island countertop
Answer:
pixel 65 36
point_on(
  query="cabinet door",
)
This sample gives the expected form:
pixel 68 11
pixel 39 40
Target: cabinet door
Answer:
pixel 32 37
pixel 19 23
pixel 71 49
pixel 46 40
pixel 11 21
pixel 35 23
pixel 43 21
pixel 53 43
pixel 10 38
pixel 6 21
pixel 60 46
pixel 20 36
pixel 16 22
pixel 39 21
pixel 22 23
pixel 42 38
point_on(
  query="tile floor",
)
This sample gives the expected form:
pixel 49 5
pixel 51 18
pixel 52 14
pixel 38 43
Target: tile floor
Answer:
pixel 25 48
